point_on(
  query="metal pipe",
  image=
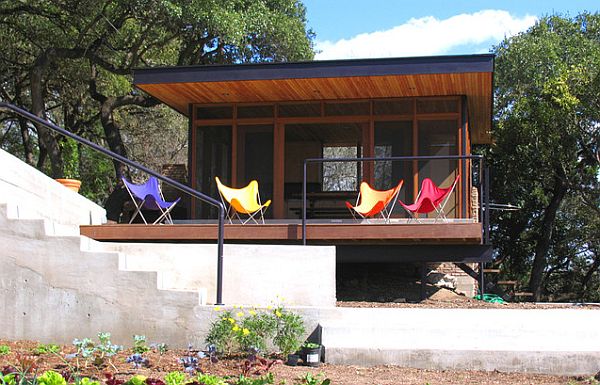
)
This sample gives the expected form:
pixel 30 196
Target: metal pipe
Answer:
pixel 205 198
pixel 481 200
pixel 487 204
pixel 304 206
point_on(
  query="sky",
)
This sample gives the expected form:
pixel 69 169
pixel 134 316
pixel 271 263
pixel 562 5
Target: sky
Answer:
pixel 348 29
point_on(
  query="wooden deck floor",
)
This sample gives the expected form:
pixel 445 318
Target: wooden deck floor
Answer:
pixel 317 233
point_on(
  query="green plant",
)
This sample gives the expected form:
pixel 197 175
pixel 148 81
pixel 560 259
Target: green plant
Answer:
pixel 140 345
pixel 46 349
pixel 175 378
pixel 4 350
pixel 310 345
pixel 222 334
pixel 256 330
pixel 96 353
pixel 86 381
pixel 263 380
pixel 51 377
pixel 136 380
pixel 309 379
pixel 290 329
pixel 207 379
pixel 8 379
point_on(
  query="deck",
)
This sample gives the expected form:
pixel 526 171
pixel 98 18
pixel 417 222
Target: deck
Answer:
pixel 290 232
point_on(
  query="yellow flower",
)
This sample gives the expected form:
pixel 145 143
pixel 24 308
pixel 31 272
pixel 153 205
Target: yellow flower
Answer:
pixel 239 313
pixel 269 307
pixel 231 320
pixel 252 312
pixel 217 308
pixel 236 328
pixel 278 313
pixel 245 331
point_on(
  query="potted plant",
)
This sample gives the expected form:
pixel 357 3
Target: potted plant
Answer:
pixel 290 329
pixel 311 354
pixel 70 153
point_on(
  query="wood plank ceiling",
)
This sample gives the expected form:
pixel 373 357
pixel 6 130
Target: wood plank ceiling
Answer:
pixel 476 86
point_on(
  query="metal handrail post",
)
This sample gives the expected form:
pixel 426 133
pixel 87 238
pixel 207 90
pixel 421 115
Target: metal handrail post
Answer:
pixel 196 194
pixel 486 223
pixel 304 205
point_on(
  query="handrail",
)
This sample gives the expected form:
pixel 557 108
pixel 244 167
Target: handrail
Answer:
pixel 483 180
pixel 196 194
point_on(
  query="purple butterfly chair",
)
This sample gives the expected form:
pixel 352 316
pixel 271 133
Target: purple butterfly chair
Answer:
pixel 148 196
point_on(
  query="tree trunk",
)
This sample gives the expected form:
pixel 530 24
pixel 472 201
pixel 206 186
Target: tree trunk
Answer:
pixel 543 244
pixel 47 140
pixel 588 276
pixel 113 135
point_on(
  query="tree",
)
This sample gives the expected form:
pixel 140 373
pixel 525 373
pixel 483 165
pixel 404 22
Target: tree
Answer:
pixel 71 60
pixel 546 143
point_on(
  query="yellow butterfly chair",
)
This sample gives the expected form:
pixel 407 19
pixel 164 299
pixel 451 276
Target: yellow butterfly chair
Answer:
pixel 245 200
pixel 373 202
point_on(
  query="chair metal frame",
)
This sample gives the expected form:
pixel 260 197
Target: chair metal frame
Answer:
pixel 385 212
pixel 159 200
pixel 233 212
pixel 438 208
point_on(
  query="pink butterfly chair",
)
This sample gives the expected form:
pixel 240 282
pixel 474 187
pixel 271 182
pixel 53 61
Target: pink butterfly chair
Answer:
pixel 431 198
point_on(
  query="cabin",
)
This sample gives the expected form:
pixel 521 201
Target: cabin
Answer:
pixel 282 124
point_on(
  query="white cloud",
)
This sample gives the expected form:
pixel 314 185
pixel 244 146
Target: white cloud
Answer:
pixel 428 36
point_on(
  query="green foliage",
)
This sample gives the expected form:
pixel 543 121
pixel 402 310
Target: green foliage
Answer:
pixel 96 353
pixel 290 330
pixel 51 377
pixel 262 380
pixel 8 379
pixel 545 157
pixel 139 344
pixel 208 379
pixel 46 349
pixel 87 381
pixel 4 350
pixel 87 49
pixel 309 379
pixel 136 380
pixel 254 330
pixel 175 378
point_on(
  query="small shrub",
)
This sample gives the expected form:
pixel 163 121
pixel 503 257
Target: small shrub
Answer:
pixel 290 330
pixel 46 349
pixel 309 379
pixel 263 380
pixel 222 334
pixel 4 350
pixel 161 348
pixel 175 378
pixel 51 377
pixel 140 345
pixel 207 379
pixel 136 380
pixel 96 353
pixel 137 360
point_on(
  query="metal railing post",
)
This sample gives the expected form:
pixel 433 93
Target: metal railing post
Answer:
pixel 486 223
pixel 304 205
pixel 196 194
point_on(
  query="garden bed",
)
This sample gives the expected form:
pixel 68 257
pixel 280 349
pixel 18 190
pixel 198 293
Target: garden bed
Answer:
pixel 160 365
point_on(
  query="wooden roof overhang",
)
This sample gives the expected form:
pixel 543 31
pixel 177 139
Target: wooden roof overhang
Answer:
pixel 468 75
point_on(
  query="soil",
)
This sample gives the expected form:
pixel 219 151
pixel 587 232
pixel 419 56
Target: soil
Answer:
pixel 160 365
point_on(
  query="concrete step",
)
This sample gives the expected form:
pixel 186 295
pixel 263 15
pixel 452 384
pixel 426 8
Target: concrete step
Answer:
pixel 544 341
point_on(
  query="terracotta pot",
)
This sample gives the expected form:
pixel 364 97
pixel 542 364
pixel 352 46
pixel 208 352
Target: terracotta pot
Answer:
pixel 72 184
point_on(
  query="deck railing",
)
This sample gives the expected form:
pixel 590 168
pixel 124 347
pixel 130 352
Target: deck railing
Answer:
pixel 196 194
pixel 482 171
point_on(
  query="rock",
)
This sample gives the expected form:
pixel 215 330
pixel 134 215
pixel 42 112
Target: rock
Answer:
pixel 400 300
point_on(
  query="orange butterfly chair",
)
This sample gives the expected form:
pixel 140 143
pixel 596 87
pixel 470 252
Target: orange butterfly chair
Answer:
pixel 373 202
pixel 245 200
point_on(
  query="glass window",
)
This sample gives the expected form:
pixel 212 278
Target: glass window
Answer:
pixel 393 107
pixel 299 110
pixel 340 176
pixel 213 158
pixel 214 112
pixel 436 106
pixel 341 109
pixel 259 111
pixel 439 138
pixel 395 139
